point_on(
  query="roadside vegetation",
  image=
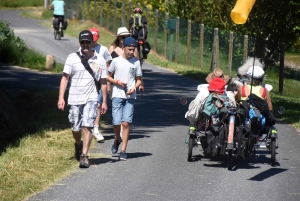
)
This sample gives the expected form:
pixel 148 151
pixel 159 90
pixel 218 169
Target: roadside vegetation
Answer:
pixel 40 150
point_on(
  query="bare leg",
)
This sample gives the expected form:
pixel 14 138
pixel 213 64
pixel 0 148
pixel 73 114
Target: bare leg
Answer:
pixel 125 138
pixel 117 129
pixel 77 136
pixel 97 120
pixel 87 139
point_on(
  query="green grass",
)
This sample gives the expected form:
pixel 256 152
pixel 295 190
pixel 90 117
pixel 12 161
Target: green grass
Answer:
pixel 20 3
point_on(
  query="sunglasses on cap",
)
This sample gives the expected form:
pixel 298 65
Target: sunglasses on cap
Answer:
pixel 85 42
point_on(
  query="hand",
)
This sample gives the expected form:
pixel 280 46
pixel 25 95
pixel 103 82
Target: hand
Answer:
pixel 141 88
pixel 131 91
pixel 122 84
pixel 61 104
pixel 103 108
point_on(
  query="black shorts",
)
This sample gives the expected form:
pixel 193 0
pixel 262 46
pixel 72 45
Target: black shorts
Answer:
pixel 59 16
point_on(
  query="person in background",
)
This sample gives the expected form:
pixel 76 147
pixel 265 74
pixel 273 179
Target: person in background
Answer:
pixel 103 52
pixel 59 8
pixel 139 29
pixel 126 74
pixel 116 48
pixel 83 94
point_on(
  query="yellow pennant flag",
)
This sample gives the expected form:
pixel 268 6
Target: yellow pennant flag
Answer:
pixel 241 10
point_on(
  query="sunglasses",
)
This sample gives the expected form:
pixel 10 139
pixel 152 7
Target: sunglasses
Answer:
pixel 85 42
pixel 123 37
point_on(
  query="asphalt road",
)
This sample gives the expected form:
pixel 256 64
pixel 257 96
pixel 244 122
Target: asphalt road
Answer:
pixel 157 167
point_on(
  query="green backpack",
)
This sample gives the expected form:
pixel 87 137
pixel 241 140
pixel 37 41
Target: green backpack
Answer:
pixel 137 21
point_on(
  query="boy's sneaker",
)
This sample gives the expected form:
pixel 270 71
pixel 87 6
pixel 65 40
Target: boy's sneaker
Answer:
pixel 84 161
pixel 98 135
pixel 115 146
pixel 78 150
pixel 122 156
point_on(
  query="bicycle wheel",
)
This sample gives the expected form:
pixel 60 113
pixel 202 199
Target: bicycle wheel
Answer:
pixel 273 151
pixel 191 145
pixel 229 159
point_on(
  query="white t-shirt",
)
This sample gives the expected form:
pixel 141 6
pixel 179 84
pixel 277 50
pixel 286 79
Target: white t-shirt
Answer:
pixel 82 84
pixel 125 71
pixel 103 51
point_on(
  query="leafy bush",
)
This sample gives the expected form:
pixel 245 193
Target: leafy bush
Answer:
pixel 11 47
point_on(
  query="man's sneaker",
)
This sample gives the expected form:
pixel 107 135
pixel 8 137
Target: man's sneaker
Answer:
pixel 115 146
pixel 98 135
pixel 122 156
pixel 78 150
pixel 84 161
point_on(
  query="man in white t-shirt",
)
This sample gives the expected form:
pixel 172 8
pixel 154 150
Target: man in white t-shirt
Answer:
pixel 127 73
pixel 83 94
pixel 102 51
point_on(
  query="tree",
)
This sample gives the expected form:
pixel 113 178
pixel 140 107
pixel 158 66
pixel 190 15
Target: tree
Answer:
pixel 274 20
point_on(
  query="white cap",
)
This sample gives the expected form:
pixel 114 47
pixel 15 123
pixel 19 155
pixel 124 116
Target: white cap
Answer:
pixel 258 72
pixel 123 31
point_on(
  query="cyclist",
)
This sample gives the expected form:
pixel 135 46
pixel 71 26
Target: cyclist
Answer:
pixel 139 29
pixel 59 8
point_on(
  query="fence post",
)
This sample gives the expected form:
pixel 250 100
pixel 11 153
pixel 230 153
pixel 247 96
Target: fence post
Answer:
pixel 123 24
pixel 115 17
pixel 201 44
pixel 77 10
pixel 166 34
pixel 107 15
pixel 88 10
pixel 45 4
pixel 94 17
pixel 215 50
pixel 130 9
pixel 101 13
pixel 230 52
pixel 188 45
pixel 82 10
pixel 176 39
pixel 155 30
pixel 245 54
pixel 281 68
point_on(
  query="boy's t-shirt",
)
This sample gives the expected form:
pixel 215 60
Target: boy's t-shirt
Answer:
pixel 125 71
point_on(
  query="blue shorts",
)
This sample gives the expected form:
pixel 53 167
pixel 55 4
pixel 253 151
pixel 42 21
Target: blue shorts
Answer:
pixel 83 115
pixel 122 110
pixel 100 97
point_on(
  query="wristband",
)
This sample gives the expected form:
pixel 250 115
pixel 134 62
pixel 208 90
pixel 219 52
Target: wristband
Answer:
pixel 117 82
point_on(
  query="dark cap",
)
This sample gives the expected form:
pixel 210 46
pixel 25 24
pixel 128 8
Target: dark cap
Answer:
pixel 85 35
pixel 129 41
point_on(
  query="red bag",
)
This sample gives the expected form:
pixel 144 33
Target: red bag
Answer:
pixel 217 85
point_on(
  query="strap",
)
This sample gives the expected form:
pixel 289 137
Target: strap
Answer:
pixel 221 101
pixel 264 93
pixel 243 91
pixel 87 67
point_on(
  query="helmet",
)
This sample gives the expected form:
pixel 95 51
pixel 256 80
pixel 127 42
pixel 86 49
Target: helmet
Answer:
pixel 138 10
